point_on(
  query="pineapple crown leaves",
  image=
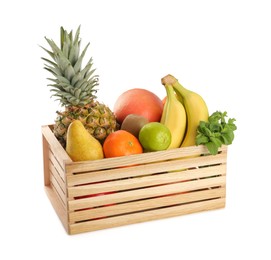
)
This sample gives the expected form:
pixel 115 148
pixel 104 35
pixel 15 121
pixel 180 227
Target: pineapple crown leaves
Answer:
pixel 72 85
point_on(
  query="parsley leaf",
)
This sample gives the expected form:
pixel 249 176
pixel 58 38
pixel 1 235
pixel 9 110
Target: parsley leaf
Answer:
pixel 216 132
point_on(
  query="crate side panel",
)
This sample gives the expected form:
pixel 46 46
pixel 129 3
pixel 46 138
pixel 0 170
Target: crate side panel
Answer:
pixel 144 158
pixel 58 189
pixel 143 169
pixel 148 180
pixel 136 194
pixel 46 170
pixel 141 205
pixel 55 163
pixel 146 216
pixel 56 148
pixel 58 206
pixel 58 176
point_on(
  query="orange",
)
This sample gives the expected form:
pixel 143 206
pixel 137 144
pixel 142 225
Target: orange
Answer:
pixel 121 143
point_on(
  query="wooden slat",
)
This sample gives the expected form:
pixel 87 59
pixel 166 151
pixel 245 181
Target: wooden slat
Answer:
pixel 56 147
pixel 146 204
pixel 109 163
pixel 58 188
pixel 57 205
pixel 58 178
pixel 146 193
pixel 57 166
pixel 133 183
pixel 46 161
pixel 146 216
pixel 139 170
pixel 59 196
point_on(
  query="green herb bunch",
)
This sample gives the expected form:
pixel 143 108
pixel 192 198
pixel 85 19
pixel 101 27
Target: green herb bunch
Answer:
pixel 216 132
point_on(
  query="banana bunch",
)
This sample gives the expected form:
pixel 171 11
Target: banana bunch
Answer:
pixel 182 113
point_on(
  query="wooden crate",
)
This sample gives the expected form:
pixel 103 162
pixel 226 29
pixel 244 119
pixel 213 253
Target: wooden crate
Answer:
pixel 93 195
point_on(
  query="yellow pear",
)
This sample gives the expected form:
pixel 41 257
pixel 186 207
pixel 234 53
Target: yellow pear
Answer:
pixel 81 145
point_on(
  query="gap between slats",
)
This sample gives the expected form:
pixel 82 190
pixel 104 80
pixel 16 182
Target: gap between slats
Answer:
pixel 139 170
pixel 143 193
pixel 147 204
pixel 147 216
pixel 145 181
pixel 144 158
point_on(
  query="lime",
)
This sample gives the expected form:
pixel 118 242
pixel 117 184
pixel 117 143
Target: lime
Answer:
pixel 155 136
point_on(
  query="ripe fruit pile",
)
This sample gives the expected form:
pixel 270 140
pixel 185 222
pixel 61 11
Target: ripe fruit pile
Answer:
pixel 140 121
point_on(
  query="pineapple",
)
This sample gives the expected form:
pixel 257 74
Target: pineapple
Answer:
pixel 75 88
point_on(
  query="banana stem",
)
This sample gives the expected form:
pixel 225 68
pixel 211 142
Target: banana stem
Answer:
pixel 168 80
pixel 171 80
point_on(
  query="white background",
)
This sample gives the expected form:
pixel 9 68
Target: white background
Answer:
pixel 220 49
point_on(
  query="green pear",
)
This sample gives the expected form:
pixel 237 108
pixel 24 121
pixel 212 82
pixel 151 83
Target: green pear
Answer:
pixel 81 145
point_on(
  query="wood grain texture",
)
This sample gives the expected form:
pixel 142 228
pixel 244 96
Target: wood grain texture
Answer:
pixel 93 195
pixel 146 216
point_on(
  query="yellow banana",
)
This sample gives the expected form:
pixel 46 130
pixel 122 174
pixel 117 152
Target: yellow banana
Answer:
pixel 174 117
pixel 195 107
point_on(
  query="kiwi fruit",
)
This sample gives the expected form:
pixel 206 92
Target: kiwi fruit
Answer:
pixel 132 123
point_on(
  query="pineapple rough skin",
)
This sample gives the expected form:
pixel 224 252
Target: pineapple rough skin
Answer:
pixel 97 118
